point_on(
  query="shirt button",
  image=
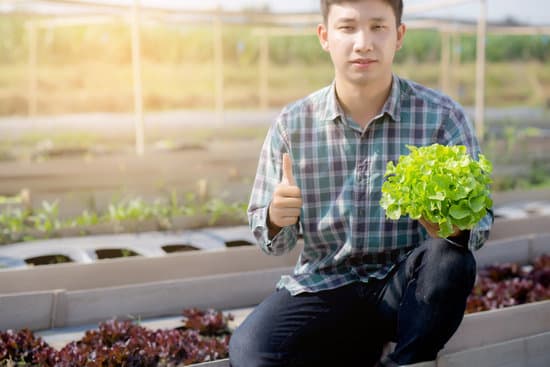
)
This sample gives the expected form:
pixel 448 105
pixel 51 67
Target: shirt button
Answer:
pixel 361 211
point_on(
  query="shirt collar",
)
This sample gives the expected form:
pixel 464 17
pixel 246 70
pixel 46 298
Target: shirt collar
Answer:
pixel 392 106
pixel 332 109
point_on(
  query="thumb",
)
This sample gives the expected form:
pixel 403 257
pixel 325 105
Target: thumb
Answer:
pixel 288 177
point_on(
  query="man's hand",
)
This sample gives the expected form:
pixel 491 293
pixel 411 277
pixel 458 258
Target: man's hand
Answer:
pixel 286 203
pixel 433 228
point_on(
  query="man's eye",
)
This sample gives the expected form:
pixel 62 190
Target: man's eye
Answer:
pixel 346 28
pixel 378 27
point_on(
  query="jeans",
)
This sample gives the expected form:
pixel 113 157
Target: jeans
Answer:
pixel 419 306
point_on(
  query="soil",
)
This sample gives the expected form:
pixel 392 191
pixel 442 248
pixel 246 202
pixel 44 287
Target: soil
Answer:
pixel 223 169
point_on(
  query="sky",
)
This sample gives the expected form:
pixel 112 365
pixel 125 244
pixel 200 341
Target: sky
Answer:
pixel 526 11
pixel 536 10
pixel 529 11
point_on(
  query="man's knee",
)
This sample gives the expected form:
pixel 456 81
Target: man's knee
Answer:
pixel 235 349
pixel 247 348
pixel 450 270
pixel 243 349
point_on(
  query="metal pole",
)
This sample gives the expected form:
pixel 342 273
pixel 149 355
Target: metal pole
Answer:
pixel 480 70
pixel 264 70
pixel 138 93
pixel 454 77
pixel 218 66
pixel 33 84
pixel 434 5
pixel 445 62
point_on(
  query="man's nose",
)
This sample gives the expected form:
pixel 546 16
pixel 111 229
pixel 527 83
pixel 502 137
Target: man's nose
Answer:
pixel 363 41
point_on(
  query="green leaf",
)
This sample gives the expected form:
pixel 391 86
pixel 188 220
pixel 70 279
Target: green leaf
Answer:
pixel 440 196
pixel 445 228
pixel 393 212
pixel 478 203
pixel 444 184
pixel 458 212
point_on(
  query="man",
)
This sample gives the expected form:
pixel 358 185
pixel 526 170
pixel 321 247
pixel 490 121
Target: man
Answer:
pixel 361 279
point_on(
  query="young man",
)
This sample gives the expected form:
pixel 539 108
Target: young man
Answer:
pixel 361 279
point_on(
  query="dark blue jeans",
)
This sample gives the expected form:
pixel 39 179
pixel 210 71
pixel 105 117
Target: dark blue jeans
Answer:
pixel 419 306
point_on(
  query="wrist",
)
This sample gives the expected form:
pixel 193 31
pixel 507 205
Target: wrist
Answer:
pixel 272 228
pixel 462 238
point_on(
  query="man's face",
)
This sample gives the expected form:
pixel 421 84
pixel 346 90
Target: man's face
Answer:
pixel 362 38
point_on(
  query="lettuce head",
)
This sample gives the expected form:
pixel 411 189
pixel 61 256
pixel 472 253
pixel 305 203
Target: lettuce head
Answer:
pixel 442 184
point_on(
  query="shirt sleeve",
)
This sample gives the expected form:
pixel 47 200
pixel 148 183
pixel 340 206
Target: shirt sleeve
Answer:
pixel 457 130
pixel 268 175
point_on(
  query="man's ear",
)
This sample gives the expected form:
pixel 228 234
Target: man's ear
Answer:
pixel 401 30
pixel 323 36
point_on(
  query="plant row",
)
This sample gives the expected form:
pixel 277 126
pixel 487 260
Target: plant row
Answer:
pixel 18 223
pixel 204 336
pixel 510 284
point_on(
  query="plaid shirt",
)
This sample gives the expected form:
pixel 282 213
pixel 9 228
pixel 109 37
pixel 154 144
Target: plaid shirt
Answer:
pixel 339 169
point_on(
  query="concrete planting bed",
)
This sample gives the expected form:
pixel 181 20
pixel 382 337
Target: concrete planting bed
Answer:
pixel 54 300
pixel 90 249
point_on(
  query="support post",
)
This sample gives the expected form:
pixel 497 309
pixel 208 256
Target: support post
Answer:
pixel 480 70
pixel 264 70
pixel 454 75
pixel 138 91
pixel 218 69
pixel 32 65
pixel 445 76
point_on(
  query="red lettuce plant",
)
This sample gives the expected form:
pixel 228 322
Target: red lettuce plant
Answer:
pixel 209 322
pixel 24 347
pixel 510 284
pixel 204 337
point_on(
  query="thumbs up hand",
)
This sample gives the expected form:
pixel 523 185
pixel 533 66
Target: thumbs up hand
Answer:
pixel 288 177
pixel 286 203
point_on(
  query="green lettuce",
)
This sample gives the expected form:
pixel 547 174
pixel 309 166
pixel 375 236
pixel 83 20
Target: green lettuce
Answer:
pixel 442 184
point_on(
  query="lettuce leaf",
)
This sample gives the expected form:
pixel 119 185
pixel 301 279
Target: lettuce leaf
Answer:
pixel 442 184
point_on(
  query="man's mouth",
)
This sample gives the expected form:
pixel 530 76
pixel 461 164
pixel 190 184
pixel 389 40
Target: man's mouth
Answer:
pixel 363 61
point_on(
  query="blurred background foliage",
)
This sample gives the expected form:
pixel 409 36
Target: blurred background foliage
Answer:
pixel 87 68
pixel 174 44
